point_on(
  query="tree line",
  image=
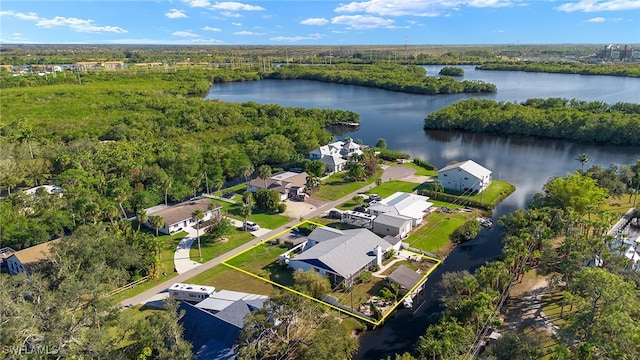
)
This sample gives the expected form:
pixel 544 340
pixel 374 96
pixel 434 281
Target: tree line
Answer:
pixel 593 122
pixel 618 69
pixel 383 75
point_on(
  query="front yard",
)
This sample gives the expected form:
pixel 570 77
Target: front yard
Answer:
pixel 266 220
pixel 336 186
pixel 212 248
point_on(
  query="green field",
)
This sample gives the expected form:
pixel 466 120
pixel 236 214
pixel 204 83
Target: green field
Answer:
pixel 434 234
pixel 336 187
pixel 212 248
pixel 265 220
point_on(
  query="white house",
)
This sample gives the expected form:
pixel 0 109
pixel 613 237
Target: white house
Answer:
pixel 341 255
pixel 180 216
pixel 287 183
pixel 413 206
pixel 465 176
pixel 336 154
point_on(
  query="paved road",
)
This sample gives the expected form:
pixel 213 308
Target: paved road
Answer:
pixel 389 173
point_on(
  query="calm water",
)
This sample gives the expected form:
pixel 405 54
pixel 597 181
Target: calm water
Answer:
pixel 526 162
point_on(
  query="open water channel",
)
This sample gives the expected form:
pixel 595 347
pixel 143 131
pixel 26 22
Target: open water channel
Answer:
pixel 398 118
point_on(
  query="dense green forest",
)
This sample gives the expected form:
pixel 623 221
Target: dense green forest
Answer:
pixel 611 69
pixel 388 76
pixel 121 142
pixel 594 122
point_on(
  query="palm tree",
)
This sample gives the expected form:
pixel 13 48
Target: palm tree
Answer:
pixel 156 222
pixel 142 217
pixel 245 211
pixel 313 182
pixel 264 172
pixel 583 158
pixel 197 216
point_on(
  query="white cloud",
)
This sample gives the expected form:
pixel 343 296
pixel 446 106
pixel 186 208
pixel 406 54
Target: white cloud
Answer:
pixel 79 25
pixel 209 28
pixel 362 21
pixel 599 5
pixel 236 24
pixel 186 33
pixel 597 20
pixel 314 21
pixel 415 7
pixel 248 33
pixel 175 14
pixel 231 14
pixel 21 16
pixel 235 6
pixel 75 24
pixel 296 38
pixel 197 3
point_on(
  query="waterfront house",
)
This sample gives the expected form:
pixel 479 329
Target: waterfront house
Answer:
pixel 179 216
pixel 413 206
pixel 335 155
pixel 341 255
pixel 465 176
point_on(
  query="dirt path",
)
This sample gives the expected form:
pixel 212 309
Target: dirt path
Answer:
pixel 525 305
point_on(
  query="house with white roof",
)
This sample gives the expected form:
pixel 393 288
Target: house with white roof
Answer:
pixel 413 206
pixel 341 255
pixel 465 176
pixel 335 155
pixel 628 248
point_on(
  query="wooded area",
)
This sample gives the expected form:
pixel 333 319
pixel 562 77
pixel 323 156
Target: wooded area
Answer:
pixel 592 122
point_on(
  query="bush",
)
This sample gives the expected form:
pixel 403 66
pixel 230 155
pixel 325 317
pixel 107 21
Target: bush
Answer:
pixel 391 155
pixel 306 229
pixel 466 232
pixel 423 164
pixel 365 276
pixel 282 207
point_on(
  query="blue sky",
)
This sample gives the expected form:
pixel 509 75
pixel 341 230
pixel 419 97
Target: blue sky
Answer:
pixel 325 22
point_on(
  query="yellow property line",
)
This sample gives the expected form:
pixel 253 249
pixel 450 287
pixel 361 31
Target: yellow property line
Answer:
pixel 374 323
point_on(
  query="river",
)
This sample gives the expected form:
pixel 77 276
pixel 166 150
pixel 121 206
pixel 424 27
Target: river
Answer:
pixel 398 118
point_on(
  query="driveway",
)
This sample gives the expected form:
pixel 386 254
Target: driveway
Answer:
pixel 181 259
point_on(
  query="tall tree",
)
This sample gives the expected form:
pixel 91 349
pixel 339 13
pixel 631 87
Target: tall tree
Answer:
pixel 264 173
pixel 583 159
pixel 156 222
pixel 197 216
pixel 142 217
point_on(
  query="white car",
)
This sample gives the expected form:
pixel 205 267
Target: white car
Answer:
pixel 251 226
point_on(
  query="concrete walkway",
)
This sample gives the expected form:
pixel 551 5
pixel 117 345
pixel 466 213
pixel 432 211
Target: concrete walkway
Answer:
pixel 401 256
pixel 181 260
pixel 390 173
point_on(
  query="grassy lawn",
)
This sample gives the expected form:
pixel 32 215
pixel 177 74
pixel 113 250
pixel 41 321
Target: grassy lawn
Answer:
pixel 434 234
pixel 360 293
pixel 388 188
pixel 212 249
pixel 265 220
pixel 420 170
pixel 491 194
pixel 336 187
pixel 618 205
pixel 226 278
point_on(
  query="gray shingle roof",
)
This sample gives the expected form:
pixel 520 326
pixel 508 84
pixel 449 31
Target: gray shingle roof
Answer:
pixel 391 219
pixel 405 277
pixel 344 255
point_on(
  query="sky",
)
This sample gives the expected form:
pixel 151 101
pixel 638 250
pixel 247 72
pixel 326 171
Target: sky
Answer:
pixel 320 22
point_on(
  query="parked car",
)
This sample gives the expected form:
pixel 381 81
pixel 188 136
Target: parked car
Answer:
pixel 335 214
pixel 251 226
pixel 374 197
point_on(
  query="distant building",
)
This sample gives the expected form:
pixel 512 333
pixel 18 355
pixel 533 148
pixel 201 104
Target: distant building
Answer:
pixel 335 155
pixel 413 206
pixel 288 184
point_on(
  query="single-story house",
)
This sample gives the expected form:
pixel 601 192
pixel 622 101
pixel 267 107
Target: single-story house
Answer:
pixel 412 206
pixel 465 176
pixel 393 225
pixel 23 260
pixel 179 216
pixel 287 183
pixel 341 255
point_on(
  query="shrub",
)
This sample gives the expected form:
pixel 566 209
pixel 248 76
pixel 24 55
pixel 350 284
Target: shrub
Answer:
pixel 391 155
pixel 466 232
pixel 365 276
pixel 423 164
pixel 282 207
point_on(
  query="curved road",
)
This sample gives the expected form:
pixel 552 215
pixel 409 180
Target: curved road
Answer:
pixel 389 173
